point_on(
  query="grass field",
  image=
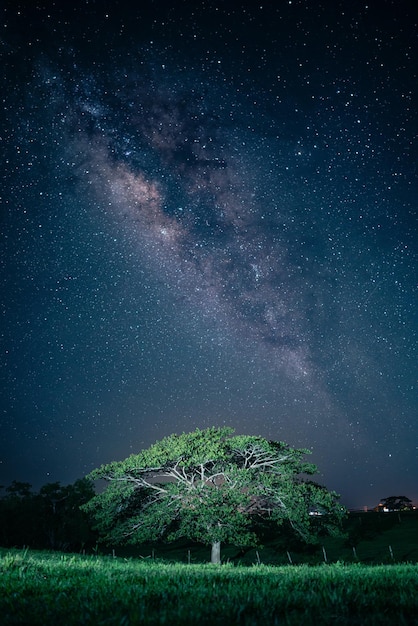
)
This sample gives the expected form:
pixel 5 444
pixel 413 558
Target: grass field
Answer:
pixel 55 588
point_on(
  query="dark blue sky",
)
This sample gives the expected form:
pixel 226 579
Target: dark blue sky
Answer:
pixel 208 217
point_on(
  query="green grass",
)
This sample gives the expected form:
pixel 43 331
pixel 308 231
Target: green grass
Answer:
pixel 53 588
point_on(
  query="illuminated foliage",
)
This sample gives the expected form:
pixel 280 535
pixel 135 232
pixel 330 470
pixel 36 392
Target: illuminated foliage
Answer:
pixel 211 486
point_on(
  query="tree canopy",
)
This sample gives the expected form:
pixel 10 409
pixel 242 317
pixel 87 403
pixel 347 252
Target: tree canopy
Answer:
pixel 211 486
pixel 395 503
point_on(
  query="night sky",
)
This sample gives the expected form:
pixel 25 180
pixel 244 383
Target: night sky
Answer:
pixel 208 218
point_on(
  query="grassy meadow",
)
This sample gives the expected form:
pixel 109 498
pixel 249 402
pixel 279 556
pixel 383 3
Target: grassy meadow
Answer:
pixel 367 577
pixel 48 588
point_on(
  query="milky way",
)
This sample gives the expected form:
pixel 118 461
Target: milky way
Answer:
pixel 206 230
pixel 216 212
pixel 212 237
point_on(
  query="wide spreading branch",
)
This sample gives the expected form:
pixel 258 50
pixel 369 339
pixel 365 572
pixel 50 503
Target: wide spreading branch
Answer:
pixel 209 486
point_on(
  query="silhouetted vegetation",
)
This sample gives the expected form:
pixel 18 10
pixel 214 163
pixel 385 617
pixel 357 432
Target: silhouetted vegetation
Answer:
pixel 50 518
pixel 395 503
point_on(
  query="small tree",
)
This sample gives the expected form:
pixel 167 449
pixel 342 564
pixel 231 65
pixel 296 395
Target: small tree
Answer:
pixel 395 503
pixel 210 486
pixel 63 524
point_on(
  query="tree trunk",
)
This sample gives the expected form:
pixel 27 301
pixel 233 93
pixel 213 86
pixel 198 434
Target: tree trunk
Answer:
pixel 215 556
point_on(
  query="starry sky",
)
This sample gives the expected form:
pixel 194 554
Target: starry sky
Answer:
pixel 207 218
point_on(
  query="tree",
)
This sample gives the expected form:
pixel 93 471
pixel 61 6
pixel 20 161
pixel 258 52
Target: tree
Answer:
pixel 210 486
pixel 63 524
pixel 50 518
pixel 17 524
pixel 395 503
